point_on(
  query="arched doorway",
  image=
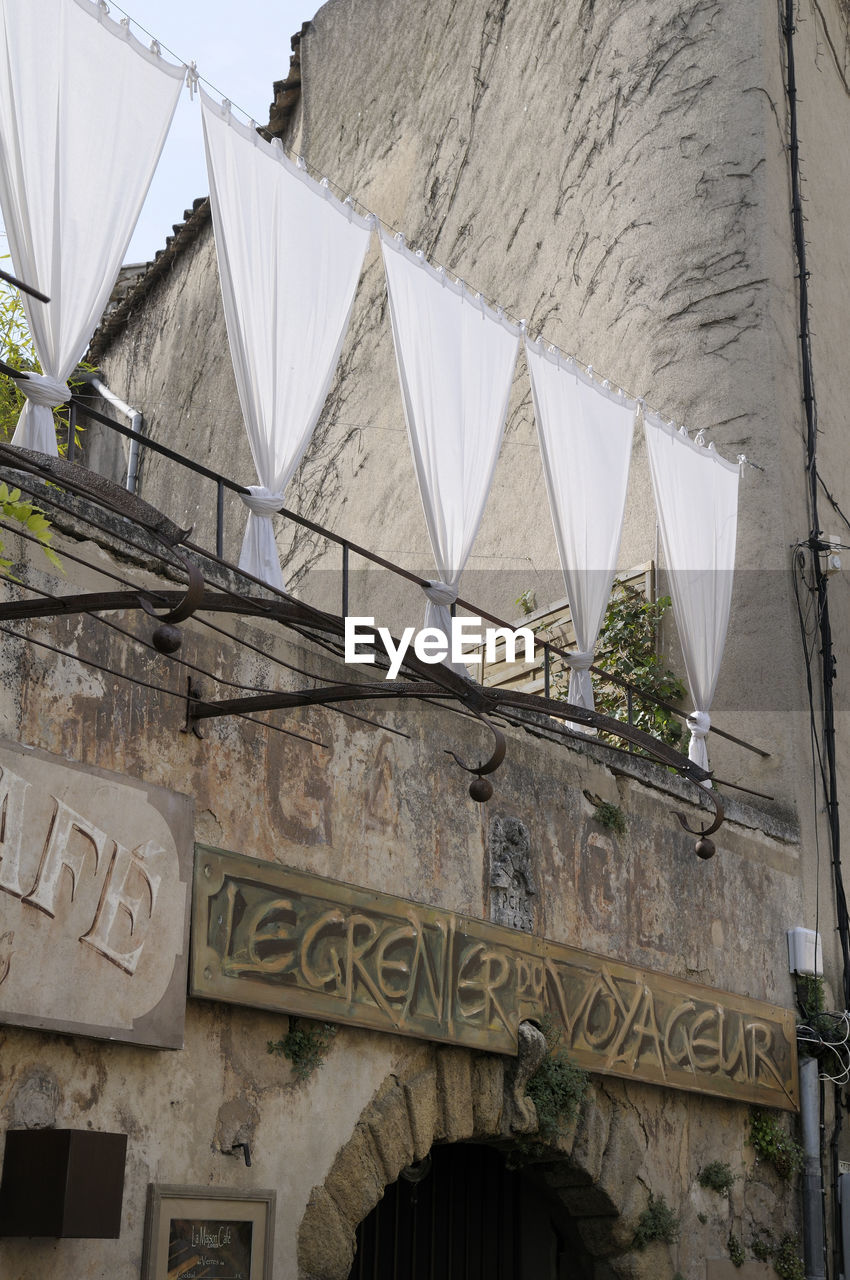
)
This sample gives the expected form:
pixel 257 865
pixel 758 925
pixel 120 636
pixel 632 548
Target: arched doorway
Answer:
pixel 463 1213
pixel 447 1099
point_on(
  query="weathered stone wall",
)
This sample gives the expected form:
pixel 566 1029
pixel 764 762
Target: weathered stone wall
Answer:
pixel 617 174
pixel 391 813
pixel 613 173
pixel 619 1149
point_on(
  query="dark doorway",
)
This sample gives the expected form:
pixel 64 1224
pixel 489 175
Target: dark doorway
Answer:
pixel 469 1217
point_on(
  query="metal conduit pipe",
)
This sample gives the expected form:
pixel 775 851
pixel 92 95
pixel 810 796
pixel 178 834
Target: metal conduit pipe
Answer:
pixel 135 419
pixel 813 1236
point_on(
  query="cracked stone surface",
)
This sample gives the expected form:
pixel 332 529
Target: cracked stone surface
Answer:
pixel 615 173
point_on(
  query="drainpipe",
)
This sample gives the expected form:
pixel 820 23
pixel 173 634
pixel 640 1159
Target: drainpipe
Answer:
pixel 813 1239
pixel 135 419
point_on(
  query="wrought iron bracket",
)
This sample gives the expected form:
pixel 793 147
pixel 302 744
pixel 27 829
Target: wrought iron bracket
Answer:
pixel 428 682
pixel 705 848
pixel 481 789
pixel 166 638
pixel 190 724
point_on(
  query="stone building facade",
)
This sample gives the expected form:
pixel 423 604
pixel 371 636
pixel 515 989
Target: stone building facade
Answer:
pixel 618 175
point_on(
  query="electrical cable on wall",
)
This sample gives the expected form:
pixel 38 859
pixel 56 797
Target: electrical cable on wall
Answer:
pixel 823 724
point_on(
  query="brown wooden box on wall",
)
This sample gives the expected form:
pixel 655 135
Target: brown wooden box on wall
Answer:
pixel 62 1182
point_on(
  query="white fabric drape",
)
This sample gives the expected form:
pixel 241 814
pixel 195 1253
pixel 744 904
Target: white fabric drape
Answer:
pixel 456 361
pixel 84 112
pixel 289 259
pixel 586 432
pixel 696 495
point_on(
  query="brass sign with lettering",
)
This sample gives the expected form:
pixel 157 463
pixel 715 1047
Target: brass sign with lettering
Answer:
pixel 275 938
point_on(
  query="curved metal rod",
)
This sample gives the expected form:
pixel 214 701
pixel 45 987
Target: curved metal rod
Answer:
pixel 718 816
pixel 660 751
pixel 190 602
pixel 491 765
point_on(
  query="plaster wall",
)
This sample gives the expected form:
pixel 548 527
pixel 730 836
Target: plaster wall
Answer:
pixel 617 174
pixel 389 812
pixel 614 173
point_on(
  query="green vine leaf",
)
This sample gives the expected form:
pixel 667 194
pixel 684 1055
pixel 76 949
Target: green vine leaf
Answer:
pixel 305 1045
pixel 657 1222
pixel 556 1089
pixel 628 647
pixel 772 1144
pixel 33 520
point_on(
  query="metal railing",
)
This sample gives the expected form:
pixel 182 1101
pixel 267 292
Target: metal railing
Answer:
pixel 633 695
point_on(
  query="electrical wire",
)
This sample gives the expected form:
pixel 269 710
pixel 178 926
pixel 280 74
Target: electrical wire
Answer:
pixel 147 684
pixel 225 590
pixel 822 721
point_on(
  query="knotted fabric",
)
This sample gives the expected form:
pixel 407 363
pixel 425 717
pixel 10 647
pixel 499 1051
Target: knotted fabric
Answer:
pixel 259 550
pixel 585 430
pixel 581 687
pixel 699 724
pixel 696 496
pixel 289 258
pixel 455 360
pixel 70 74
pixel 438 614
pixel 35 429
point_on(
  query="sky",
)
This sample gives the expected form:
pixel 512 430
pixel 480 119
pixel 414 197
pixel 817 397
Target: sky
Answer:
pixel 241 47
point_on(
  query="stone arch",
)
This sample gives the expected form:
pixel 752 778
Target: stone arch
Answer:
pixel 451 1094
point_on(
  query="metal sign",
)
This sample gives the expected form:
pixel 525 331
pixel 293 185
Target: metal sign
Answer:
pixel 274 938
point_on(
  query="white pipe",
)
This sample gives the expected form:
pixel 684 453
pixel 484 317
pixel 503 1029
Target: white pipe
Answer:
pixel 135 418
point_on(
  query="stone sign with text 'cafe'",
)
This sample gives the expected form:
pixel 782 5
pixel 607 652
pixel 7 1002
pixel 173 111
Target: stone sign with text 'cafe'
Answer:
pixel 275 938
pixel 94 900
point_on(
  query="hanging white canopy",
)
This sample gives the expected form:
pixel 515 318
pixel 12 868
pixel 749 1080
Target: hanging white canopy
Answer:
pixel 84 112
pixel 456 361
pixel 289 259
pixel 586 432
pixel 696 495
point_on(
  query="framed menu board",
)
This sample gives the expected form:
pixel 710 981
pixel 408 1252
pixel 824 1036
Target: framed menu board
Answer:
pixel 208 1233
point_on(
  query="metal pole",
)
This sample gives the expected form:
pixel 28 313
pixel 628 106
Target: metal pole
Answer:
pixel 813 1237
pixel 135 418
pixel 219 521
pixel 72 431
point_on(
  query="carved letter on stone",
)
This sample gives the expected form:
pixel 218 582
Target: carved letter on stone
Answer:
pixel 13 792
pixel 63 853
pixel 137 906
pixel 512 885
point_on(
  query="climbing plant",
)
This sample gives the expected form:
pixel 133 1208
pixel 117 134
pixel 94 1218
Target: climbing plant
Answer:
pixel 774 1145
pixel 609 815
pixel 657 1222
pixel 628 648
pixel 787 1262
pixel 32 521
pixel 717 1176
pixel 305 1045
pixel 736 1250
pixel 17 351
pixel 556 1089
